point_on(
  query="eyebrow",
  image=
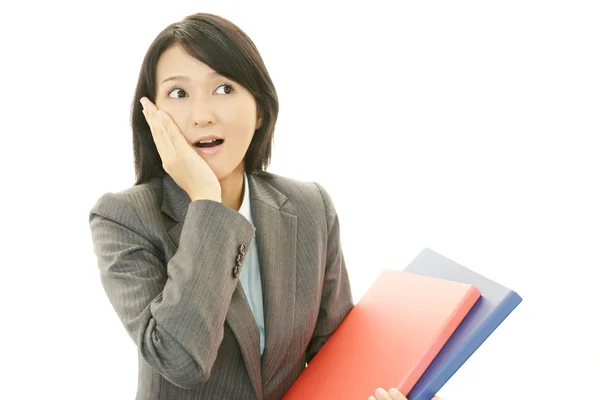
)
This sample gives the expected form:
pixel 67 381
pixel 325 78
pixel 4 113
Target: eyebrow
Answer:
pixel 187 78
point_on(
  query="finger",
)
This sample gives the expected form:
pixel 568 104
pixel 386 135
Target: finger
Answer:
pixel 381 394
pixel 161 119
pixel 148 105
pixel 162 145
pixel 162 131
pixel 395 394
pixel 173 130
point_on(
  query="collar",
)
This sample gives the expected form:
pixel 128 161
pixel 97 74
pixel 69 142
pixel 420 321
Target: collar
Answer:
pixel 245 207
pixel 175 200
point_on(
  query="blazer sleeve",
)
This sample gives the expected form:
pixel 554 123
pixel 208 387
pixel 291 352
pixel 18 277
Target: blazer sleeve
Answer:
pixel 175 309
pixel 336 296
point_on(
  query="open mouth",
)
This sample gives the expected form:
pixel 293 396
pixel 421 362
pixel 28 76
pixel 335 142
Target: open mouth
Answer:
pixel 209 143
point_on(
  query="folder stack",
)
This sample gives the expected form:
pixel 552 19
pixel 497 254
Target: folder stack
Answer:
pixel 412 330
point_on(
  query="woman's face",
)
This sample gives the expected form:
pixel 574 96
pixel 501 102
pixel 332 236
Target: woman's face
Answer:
pixel 205 104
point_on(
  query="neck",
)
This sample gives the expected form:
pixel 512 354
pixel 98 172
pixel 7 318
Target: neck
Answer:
pixel 232 188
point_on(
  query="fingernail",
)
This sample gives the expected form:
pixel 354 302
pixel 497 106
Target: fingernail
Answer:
pixel 380 392
pixel 394 393
pixel 372 398
pixel 143 101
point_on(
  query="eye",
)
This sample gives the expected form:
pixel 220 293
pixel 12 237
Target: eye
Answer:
pixel 178 92
pixel 226 89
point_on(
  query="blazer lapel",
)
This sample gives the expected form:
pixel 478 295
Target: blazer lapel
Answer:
pixel 243 325
pixel 239 316
pixel 175 204
pixel 276 243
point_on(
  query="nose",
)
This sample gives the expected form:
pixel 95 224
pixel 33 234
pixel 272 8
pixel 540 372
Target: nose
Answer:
pixel 202 113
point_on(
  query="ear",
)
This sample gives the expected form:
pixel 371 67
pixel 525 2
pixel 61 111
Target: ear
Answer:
pixel 259 121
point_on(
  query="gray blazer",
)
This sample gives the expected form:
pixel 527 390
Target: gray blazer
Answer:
pixel 169 267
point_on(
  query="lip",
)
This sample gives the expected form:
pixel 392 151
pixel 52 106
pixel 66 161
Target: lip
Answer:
pixel 208 137
pixel 209 150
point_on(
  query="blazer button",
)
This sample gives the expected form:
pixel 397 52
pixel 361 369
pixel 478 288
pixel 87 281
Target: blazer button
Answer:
pixel 238 260
pixel 242 249
pixel 236 271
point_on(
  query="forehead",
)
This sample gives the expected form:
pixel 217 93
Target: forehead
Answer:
pixel 176 62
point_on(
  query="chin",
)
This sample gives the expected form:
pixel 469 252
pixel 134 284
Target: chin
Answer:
pixel 223 172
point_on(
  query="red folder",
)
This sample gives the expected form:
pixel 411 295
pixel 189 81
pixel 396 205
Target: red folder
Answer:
pixel 388 339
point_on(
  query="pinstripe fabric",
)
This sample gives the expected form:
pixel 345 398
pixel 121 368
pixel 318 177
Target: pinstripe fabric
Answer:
pixel 166 266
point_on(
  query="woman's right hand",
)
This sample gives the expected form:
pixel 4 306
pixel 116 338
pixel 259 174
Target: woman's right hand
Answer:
pixel 179 159
pixel 392 394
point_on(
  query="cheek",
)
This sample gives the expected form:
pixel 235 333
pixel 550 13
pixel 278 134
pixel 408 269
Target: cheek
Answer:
pixel 177 113
pixel 240 122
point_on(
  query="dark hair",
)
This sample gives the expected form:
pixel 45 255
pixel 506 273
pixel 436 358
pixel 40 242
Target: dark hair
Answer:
pixel 226 49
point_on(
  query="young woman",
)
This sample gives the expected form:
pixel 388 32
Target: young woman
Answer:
pixel 228 278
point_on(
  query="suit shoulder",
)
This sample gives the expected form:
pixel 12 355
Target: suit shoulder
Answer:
pixel 288 186
pixel 299 190
pixel 142 199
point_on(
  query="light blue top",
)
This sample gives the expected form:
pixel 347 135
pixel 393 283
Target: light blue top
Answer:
pixel 250 275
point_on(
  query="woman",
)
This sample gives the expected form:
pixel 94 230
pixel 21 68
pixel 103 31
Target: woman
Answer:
pixel 228 278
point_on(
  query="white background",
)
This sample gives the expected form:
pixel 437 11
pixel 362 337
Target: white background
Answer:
pixel 469 127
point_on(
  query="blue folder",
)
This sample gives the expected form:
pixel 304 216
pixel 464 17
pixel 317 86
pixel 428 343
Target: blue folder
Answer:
pixel 494 305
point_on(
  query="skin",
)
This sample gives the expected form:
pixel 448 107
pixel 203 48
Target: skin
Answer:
pixel 392 394
pixel 202 102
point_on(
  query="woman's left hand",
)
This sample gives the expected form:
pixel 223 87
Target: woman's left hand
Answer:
pixel 392 394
